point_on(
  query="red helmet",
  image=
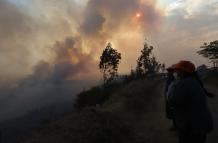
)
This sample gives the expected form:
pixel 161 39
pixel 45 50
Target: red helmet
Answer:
pixel 185 66
pixel 171 68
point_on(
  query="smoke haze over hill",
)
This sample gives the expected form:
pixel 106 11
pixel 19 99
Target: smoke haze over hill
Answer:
pixel 45 43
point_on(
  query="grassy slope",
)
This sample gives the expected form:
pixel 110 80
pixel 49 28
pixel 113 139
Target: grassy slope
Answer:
pixel 135 113
pixel 132 114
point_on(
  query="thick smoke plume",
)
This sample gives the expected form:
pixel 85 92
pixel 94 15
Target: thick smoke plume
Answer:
pixel 50 83
pixel 116 21
pixel 109 16
pixel 29 28
pixel 50 49
pixel 71 61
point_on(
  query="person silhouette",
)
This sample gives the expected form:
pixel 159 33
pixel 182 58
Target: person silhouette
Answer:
pixel 169 109
pixel 188 98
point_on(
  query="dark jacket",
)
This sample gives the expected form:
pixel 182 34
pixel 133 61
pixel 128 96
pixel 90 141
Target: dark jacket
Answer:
pixel 190 106
pixel 169 109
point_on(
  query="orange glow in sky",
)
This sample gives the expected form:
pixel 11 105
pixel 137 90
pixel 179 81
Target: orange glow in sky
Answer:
pixel 138 15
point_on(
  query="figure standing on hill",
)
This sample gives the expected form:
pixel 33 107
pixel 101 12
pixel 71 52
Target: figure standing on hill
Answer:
pixel 169 109
pixel 188 97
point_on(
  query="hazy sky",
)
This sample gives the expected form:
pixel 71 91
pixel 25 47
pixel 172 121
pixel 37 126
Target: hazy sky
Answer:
pixel 63 32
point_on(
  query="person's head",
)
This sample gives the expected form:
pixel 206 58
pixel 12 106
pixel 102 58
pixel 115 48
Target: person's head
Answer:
pixel 183 69
pixel 170 69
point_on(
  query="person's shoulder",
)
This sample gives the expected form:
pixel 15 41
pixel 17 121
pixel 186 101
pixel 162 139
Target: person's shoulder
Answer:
pixel 191 82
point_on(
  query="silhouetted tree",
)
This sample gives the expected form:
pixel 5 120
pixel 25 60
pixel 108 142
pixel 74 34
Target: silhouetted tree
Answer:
pixel 108 65
pixel 147 63
pixel 210 51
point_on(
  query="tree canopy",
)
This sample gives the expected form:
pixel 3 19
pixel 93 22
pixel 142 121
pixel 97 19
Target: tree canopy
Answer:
pixel 109 62
pixel 147 63
pixel 210 51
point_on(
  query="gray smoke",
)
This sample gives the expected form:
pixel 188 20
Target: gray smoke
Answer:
pixel 13 25
pixel 49 50
pixel 50 83
pixel 113 14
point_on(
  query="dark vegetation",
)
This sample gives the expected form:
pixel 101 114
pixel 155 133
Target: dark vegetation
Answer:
pixel 147 64
pixel 108 65
pixel 87 127
pixel 96 96
pixel 210 51
pixel 211 78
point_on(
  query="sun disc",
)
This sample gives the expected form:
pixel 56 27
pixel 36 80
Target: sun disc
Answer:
pixel 138 15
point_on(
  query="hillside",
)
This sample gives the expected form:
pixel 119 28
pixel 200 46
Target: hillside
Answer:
pixel 134 113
